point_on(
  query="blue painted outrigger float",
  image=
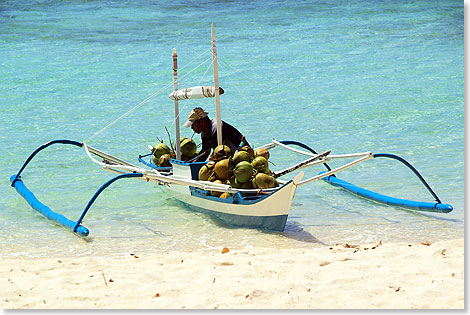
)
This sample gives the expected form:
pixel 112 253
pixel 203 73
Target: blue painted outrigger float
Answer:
pixel 265 209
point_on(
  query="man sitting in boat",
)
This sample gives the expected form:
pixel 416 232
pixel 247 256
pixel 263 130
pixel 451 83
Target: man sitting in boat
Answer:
pixel 199 121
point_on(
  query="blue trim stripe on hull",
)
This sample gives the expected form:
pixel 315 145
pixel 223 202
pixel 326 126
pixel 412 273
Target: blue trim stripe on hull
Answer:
pixel 45 210
pixel 271 223
pixel 409 204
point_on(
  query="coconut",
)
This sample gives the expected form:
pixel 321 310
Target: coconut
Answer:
pixel 212 177
pixel 188 147
pixel 160 149
pixel 248 149
pixel 276 183
pixel 187 158
pixel 221 169
pixel 247 185
pixel 231 165
pixel 221 152
pixel 241 156
pixel 216 193
pixel 243 171
pixel 262 152
pixel 264 181
pixel 260 164
pixel 206 171
pixel 225 195
pixel 234 183
pixel 164 161
pixel 155 160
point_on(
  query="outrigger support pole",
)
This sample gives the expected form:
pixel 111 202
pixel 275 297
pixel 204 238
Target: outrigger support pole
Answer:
pixel 45 145
pixel 302 145
pixel 98 192
pixel 398 158
pixel 299 165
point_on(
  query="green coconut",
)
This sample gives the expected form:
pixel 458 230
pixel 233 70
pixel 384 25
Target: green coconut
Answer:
pixel 231 165
pixel 250 151
pixel 221 152
pixel 160 149
pixel 264 181
pixel 260 164
pixel 248 185
pixel 164 161
pixel 241 156
pixel 155 160
pixel 234 183
pixel 187 158
pixel 243 171
pixel 225 195
pixel 206 171
pixel 188 147
pixel 217 193
pixel 221 169
pixel 262 152
pixel 212 177
pixel 268 172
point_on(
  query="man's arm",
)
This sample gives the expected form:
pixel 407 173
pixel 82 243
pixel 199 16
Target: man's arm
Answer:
pixel 205 151
pixel 202 156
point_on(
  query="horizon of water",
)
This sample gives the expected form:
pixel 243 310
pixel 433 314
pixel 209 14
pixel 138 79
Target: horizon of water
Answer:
pixel 349 77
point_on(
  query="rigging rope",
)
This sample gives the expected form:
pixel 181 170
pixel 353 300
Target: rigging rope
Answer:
pixel 151 96
pixel 187 101
pixel 242 95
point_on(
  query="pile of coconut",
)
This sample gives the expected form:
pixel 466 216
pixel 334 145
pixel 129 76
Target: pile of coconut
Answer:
pixel 246 169
pixel 162 153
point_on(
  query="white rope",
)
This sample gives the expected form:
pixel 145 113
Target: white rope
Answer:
pixel 130 111
pixel 242 95
pixel 187 101
pixel 204 52
pixel 148 98
pixel 236 71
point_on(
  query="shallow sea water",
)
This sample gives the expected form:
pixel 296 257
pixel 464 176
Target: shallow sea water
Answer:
pixel 349 76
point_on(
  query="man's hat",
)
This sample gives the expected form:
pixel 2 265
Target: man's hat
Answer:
pixel 196 113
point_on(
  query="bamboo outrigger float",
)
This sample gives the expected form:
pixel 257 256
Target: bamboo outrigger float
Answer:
pixel 266 209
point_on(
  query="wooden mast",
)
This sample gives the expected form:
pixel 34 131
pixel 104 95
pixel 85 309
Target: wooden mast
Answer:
pixel 216 88
pixel 177 111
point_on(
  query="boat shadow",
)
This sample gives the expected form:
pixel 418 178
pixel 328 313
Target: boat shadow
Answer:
pixel 295 231
pixel 292 230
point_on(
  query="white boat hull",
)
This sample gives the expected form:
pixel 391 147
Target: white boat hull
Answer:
pixel 267 212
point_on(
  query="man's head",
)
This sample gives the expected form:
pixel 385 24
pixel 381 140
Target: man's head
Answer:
pixel 196 119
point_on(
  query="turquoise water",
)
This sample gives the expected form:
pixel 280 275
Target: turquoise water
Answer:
pixel 350 76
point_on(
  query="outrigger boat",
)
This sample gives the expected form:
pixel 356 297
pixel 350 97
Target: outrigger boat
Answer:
pixel 265 209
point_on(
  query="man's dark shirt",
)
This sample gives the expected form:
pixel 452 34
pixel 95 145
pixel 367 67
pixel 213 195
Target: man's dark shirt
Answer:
pixel 231 137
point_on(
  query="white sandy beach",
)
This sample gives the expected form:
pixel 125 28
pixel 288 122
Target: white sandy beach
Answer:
pixel 345 276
